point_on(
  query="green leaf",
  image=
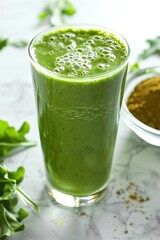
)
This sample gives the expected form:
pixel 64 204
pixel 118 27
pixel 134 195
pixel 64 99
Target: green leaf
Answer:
pixel 134 67
pixel 10 222
pixel 44 14
pixel 68 9
pixel 7 189
pixel 12 140
pixel 3 172
pixel 3 126
pixel 11 216
pixel 24 129
pixel 7 184
pixel 17 175
pixel 22 214
pixel 152 49
pixel 3 42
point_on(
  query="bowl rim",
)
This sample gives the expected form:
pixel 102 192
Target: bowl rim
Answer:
pixel 126 113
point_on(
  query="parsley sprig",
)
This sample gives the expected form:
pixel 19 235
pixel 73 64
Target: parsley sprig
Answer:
pixel 11 216
pixel 4 42
pixel 152 49
pixel 55 11
pixel 12 140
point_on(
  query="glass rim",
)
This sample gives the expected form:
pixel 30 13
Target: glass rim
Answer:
pixel 60 76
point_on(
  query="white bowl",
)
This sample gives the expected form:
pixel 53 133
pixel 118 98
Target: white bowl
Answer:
pixel 145 132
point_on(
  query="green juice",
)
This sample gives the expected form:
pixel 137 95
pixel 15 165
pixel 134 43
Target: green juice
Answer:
pixel 79 75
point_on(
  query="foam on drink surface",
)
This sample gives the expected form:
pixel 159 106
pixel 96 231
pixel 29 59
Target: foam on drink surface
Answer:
pixel 79 52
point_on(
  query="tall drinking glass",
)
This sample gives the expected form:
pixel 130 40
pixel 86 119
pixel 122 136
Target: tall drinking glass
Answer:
pixel 79 74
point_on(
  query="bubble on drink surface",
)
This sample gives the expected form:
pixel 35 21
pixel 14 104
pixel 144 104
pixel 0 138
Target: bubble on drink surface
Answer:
pixel 102 66
pixel 70 35
pixel 61 68
pixel 52 38
pixel 71 46
pixel 116 45
pixel 80 56
pixel 97 38
pixel 76 60
pixel 85 72
pixel 102 55
pixel 56 70
pixel 51 52
pixel 61 36
pixel 107 49
pixel 91 42
pixel 80 49
pixel 124 50
pixel 112 47
pixel 112 55
pixel 60 44
pixel 67 36
pixel 77 66
pixel 107 38
pixel 107 65
pixel 86 66
pixel 109 41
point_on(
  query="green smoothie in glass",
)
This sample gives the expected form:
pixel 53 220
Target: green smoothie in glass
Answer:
pixel 79 74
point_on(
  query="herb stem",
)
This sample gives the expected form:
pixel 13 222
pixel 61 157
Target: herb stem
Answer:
pixel 19 144
pixel 20 192
pixel 57 19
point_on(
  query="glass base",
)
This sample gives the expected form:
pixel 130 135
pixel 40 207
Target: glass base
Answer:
pixel 72 201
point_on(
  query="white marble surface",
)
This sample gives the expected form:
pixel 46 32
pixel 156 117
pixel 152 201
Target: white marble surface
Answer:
pixel 136 166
